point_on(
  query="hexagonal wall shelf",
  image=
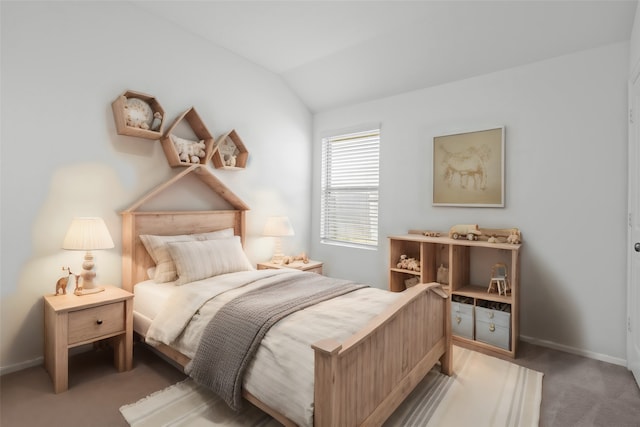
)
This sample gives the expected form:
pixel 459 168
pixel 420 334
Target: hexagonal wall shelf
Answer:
pixel 134 113
pixel 230 152
pixel 169 141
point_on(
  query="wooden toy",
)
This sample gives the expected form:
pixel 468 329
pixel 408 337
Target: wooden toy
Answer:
pixel 468 231
pixel 502 235
pixel 61 284
pixel 499 279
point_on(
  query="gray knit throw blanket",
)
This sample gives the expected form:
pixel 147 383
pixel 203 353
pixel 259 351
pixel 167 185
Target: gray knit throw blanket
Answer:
pixel 232 337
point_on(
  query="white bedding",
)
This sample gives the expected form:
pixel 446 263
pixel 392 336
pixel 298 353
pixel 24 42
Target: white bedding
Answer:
pixel 149 296
pixel 281 374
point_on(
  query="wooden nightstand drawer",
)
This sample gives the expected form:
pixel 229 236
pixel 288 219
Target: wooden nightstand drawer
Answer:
pixel 92 323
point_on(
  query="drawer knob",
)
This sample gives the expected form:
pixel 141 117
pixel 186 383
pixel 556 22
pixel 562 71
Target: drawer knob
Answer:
pixel 492 327
pixel 99 321
pixel 458 319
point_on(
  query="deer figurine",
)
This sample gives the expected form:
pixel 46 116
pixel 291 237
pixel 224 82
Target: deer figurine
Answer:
pixel 61 284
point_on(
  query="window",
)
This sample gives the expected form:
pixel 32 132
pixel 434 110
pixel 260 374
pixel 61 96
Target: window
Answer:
pixel 350 180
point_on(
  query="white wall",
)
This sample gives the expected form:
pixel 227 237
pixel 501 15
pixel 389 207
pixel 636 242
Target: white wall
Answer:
pixel 63 63
pixel 634 42
pixel 566 145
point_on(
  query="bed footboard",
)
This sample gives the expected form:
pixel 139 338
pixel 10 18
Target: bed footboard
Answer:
pixel 363 380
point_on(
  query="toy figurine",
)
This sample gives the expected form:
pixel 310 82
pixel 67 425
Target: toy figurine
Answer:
pixel 291 259
pixel 157 121
pixel 442 276
pixel 61 284
pixel 499 279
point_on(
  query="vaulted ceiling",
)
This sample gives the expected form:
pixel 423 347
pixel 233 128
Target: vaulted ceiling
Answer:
pixel 335 53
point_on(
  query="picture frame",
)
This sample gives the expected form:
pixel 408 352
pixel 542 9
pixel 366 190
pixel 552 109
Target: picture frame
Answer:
pixel 468 168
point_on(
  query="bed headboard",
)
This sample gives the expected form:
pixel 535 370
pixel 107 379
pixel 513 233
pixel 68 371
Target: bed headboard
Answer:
pixel 136 259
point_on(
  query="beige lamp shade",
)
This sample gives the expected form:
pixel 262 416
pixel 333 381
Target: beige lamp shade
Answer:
pixel 87 234
pixel 278 226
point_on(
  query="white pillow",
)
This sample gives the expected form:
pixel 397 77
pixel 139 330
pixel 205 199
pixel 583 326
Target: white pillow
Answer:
pixel 208 258
pixel 157 247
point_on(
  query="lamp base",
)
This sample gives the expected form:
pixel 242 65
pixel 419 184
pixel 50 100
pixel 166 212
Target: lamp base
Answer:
pixel 80 292
pixel 88 272
pixel 277 259
pixel 90 291
pixel 278 256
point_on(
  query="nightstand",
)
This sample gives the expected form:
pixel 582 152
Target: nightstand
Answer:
pixel 311 266
pixel 71 321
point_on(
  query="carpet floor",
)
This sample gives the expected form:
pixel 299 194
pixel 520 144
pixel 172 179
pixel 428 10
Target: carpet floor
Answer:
pixel 577 391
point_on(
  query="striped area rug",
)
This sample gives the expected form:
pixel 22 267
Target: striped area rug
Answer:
pixel 484 391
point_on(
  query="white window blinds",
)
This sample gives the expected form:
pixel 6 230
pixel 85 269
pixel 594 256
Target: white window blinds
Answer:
pixel 350 180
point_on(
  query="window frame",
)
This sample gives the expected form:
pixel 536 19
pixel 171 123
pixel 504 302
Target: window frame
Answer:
pixel 340 184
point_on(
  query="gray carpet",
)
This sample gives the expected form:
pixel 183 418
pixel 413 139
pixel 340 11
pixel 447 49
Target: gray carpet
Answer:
pixel 582 392
pixel 576 391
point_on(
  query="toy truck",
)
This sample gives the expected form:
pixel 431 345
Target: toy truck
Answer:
pixel 462 231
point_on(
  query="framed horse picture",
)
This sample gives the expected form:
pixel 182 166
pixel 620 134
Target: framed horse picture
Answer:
pixel 468 169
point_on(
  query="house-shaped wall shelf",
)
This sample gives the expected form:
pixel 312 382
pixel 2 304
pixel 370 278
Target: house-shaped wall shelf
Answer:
pixel 199 129
pixel 230 152
pixel 132 108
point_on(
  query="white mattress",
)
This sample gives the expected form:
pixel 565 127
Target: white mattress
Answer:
pixel 149 297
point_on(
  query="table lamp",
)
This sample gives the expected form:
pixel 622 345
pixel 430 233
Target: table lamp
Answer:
pixel 278 226
pixel 87 234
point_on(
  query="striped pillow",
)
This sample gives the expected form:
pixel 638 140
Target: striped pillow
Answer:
pixel 202 259
pixel 159 251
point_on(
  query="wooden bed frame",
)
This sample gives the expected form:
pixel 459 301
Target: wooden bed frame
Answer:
pixel 360 381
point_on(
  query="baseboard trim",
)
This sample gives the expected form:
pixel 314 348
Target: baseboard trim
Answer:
pixel 543 343
pixel 577 351
pixel 20 366
pixel 40 360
